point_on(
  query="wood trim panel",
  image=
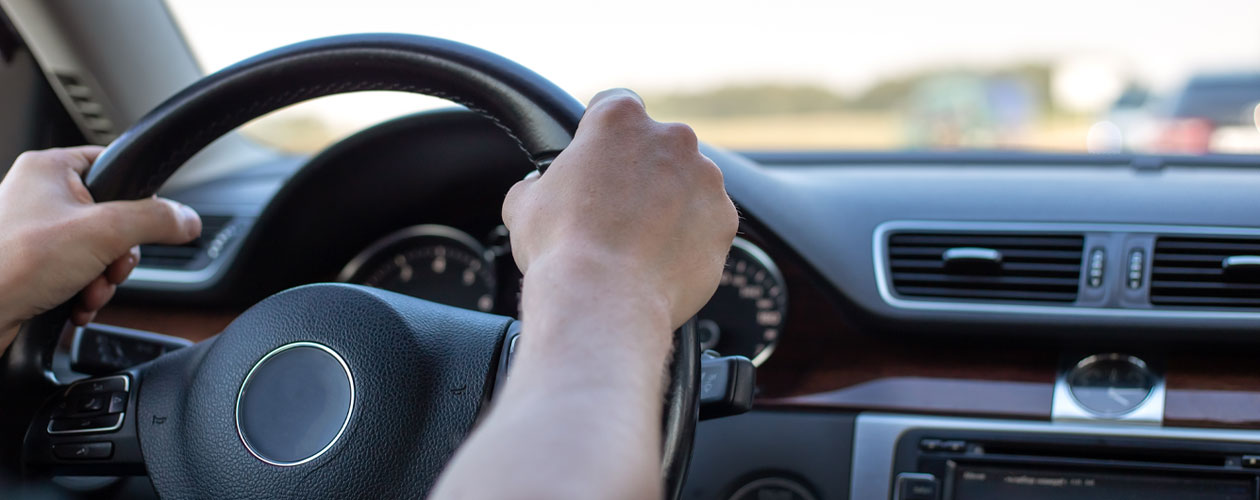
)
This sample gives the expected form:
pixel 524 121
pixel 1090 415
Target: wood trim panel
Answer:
pixel 195 324
pixel 825 361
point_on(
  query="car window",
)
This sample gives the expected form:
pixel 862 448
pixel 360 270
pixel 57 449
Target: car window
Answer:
pixel 1071 75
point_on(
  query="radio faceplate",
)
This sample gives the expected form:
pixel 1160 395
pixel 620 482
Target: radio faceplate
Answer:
pixel 927 458
pixel 981 465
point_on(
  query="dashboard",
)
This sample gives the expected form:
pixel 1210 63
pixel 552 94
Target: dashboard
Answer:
pixel 925 325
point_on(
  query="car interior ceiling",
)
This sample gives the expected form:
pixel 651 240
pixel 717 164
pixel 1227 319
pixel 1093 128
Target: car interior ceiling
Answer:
pixel 924 325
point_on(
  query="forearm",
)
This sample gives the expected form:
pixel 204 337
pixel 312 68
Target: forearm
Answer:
pixel 581 413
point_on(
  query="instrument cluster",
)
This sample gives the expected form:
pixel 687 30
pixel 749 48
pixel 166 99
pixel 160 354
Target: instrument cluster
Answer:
pixel 446 265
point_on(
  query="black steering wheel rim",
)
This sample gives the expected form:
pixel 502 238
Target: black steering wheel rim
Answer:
pixel 539 116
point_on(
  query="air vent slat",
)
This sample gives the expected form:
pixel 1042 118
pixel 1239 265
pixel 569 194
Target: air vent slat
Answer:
pixel 1030 268
pixel 1033 267
pixel 1190 271
pixel 1199 271
pixel 966 280
pixel 1007 253
pixel 1213 285
pixel 988 294
pixel 1214 246
pixel 1006 241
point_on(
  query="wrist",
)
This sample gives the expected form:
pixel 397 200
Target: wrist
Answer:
pixel 582 293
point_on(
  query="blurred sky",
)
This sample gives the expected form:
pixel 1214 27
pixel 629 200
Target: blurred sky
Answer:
pixel 669 45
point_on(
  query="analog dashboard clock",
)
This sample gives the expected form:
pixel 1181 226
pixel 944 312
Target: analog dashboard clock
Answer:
pixel 1111 385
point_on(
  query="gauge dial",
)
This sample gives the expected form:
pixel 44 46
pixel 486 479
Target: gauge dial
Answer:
pixel 745 315
pixel 436 263
pixel 1111 384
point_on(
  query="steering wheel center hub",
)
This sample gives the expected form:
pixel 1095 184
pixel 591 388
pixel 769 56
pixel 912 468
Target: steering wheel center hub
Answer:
pixel 295 403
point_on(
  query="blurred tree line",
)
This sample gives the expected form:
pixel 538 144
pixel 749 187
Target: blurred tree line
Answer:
pixel 891 94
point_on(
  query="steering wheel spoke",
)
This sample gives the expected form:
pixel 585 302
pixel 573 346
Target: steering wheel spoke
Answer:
pixel 87 429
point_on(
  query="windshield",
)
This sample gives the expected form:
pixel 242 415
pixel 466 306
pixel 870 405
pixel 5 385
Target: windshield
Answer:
pixel 1067 76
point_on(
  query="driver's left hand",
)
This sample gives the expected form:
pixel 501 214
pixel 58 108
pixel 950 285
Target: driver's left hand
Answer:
pixel 55 242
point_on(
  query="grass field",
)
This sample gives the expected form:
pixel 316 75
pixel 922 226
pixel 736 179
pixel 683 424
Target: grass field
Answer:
pixel 810 131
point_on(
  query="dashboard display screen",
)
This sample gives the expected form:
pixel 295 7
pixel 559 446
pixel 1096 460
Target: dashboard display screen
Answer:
pixel 1003 483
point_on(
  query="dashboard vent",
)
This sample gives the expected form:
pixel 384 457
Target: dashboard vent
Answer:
pixel 91 113
pixel 1029 267
pixel 216 230
pixel 1209 272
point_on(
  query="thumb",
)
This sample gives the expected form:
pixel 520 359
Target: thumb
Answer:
pixel 151 220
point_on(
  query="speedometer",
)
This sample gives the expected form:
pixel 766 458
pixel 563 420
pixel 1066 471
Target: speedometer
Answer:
pixel 432 262
pixel 745 315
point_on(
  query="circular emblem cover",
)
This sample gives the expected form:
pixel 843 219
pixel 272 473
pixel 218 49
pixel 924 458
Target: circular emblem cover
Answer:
pixel 295 403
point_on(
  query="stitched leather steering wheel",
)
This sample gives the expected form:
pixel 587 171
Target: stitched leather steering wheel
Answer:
pixel 384 386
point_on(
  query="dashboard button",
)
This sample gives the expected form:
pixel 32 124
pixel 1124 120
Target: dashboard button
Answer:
pixel 1097 262
pixel 1136 269
pixel 916 486
pixel 83 451
pixel 930 444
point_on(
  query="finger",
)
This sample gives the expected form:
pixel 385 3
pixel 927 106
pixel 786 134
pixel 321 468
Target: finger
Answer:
pixel 515 196
pixel 612 94
pixel 81 158
pixel 151 220
pixel 97 294
pixel 76 159
pixel 118 270
pixel 81 317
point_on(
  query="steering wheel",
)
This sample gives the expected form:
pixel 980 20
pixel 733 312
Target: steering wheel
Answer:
pixel 325 390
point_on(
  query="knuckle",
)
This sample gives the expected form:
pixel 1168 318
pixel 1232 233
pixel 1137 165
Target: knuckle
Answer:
pixel 29 159
pixel 618 108
pixel 679 134
pixel 710 173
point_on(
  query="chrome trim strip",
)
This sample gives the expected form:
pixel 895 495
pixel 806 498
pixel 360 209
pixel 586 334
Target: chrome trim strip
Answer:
pixel 236 414
pixel 121 416
pixel 875 441
pixel 879 247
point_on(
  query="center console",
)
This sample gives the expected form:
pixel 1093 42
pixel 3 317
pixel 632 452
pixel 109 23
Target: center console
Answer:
pixel 943 458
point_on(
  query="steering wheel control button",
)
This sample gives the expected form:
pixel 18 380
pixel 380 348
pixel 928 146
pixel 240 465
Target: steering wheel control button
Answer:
pixel 916 486
pixel 117 402
pixel 295 403
pixel 83 451
pixel 101 385
pixel 90 404
pixel 103 423
pixel 1097 263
